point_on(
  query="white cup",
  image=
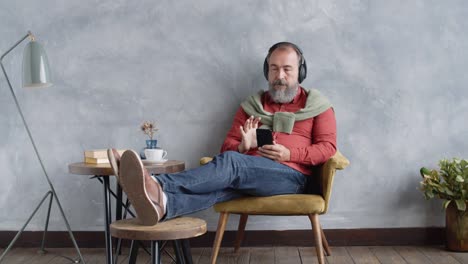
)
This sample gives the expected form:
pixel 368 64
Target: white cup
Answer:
pixel 155 154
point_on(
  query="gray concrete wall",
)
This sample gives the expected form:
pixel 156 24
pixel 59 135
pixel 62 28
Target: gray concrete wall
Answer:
pixel 394 70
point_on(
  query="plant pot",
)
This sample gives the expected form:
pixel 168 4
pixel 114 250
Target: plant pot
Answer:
pixel 456 228
pixel 151 143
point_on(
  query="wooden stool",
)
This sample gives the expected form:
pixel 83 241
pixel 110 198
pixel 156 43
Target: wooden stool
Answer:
pixel 175 229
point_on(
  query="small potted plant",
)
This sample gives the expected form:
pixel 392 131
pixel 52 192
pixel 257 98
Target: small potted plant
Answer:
pixel 149 128
pixel 450 183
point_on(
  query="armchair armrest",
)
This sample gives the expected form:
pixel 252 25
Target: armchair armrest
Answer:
pixel 327 173
pixel 205 160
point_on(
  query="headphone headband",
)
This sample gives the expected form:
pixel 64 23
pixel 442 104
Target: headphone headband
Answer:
pixel 285 43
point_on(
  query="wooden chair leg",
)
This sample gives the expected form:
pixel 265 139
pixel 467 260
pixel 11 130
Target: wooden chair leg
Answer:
pixel 325 242
pixel 240 232
pixel 317 237
pixel 223 217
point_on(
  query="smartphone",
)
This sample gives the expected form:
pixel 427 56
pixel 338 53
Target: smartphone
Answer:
pixel 264 137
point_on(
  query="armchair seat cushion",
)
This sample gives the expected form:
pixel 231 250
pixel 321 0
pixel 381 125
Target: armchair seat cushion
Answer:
pixel 288 204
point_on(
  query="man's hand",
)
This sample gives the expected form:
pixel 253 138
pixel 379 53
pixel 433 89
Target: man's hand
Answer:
pixel 275 152
pixel 249 134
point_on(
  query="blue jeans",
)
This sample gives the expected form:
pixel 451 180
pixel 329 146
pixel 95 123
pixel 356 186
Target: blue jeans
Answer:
pixel 230 175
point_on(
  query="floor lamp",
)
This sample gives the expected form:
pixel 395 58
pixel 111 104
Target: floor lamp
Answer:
pixel 36 74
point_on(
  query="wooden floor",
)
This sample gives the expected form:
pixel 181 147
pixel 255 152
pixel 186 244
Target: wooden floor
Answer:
pixel 271 255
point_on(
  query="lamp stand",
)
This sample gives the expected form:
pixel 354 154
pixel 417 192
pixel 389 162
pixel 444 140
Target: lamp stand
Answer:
pixel 51 192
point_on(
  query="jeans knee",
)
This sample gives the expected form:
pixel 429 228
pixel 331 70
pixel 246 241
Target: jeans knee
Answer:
pixel 230 156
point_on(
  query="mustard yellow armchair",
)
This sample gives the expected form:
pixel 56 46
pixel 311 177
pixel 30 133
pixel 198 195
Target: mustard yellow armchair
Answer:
pixel 311 205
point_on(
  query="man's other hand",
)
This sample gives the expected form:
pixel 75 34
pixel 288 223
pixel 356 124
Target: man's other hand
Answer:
pixel 249 134
pixel 275 152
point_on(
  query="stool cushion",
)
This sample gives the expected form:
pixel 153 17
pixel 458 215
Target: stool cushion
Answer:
pixel 178 228
pixel 288 204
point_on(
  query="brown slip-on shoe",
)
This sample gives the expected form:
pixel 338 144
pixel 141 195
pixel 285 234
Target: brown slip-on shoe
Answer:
pixel 132 181
pixel 154 190
pixel 114 160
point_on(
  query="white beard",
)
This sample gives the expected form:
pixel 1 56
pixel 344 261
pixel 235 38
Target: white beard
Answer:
pixel 283 96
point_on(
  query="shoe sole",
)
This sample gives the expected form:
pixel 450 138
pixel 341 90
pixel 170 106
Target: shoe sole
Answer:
pixel 132 181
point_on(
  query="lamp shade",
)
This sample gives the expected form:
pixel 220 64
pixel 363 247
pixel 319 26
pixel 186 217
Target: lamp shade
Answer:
pixel 36 73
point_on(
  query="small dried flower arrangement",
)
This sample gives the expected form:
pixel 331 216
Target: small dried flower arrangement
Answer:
pixel 149 128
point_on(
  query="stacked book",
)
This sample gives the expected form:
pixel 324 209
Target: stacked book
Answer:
pixel 98 156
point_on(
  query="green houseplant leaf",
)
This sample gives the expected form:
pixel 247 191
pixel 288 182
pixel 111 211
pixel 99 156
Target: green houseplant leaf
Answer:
pixel 449 182
pixel 461 205
pixel 446 203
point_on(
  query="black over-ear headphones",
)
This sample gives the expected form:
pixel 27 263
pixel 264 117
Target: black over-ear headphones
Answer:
pixel 302 63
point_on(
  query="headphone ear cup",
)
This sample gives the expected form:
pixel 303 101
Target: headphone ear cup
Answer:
pixel 265 69
pixel 302 72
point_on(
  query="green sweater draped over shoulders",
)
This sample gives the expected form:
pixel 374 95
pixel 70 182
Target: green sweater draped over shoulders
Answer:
pixel 284 121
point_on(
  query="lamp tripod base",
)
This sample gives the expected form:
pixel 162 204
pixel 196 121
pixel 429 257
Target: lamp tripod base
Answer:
pixel 42 250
